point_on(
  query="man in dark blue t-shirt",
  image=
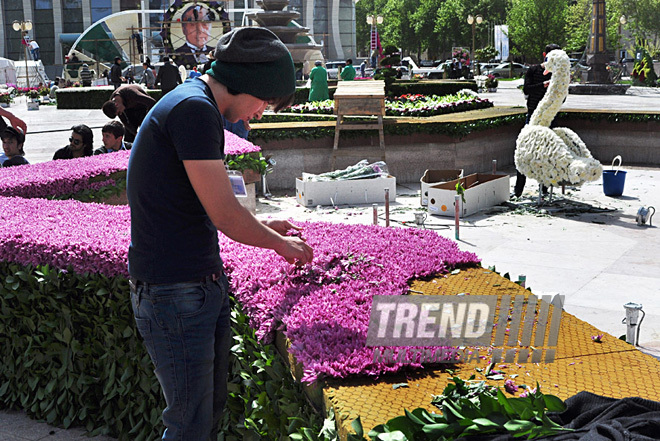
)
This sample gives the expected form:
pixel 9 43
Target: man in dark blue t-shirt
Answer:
pixel 180 195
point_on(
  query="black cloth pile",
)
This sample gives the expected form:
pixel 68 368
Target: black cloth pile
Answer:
pixel 597 418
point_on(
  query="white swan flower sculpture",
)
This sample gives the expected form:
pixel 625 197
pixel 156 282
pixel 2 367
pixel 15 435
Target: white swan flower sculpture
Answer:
pixel 554 156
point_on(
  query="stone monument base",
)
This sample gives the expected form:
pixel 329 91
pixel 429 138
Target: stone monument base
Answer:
pixel 598 89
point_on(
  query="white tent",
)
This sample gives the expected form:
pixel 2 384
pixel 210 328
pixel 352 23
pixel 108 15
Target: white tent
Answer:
pixel 7 71
pixel 36 71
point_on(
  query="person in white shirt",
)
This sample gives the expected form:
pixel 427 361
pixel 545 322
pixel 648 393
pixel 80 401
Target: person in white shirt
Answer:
pixel 34 49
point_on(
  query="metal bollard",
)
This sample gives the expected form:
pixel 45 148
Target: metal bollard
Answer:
pixel 494 166
pixel 457 211
pixel 387 207
pixel 633 322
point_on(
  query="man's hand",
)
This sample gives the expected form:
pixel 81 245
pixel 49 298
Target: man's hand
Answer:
pixel 546 83
pixel 18 123
pixel 211 183
pixel 295 251
pixel 281 226
pixel 14 121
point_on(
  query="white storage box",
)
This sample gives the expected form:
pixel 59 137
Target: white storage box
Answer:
pixel 354 191
pixel 481 191
pixel 433 177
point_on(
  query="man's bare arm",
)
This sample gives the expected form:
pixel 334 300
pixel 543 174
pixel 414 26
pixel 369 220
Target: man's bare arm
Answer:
pixel 211 183
pixel 14 121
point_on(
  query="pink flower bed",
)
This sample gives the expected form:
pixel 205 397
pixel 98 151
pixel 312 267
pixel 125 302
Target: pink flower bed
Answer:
pixel 235 145
pixel 57 178
pixel 89 237
pixel 323 308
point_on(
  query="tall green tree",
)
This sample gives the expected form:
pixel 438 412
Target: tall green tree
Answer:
pixel 533 24
pixel 578 23
pixel 400 29
pixel 424 22
pixel 451 26
pixel 644 22
pixel 362 29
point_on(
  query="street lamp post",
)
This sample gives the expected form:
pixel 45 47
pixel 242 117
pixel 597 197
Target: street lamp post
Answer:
pixel 622 21
pixel 22 27
pixel 374 21
pixel 474 21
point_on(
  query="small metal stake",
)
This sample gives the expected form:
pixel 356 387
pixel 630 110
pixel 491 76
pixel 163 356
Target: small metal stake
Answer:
pixel 494 166
pixel 632 322
pixel 551 188
pixel 375 206
pixel 457 213
pixel 540 199
pixel 387 207
pixel 264 187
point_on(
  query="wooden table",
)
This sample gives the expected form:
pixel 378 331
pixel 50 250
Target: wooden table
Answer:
pixel 359 98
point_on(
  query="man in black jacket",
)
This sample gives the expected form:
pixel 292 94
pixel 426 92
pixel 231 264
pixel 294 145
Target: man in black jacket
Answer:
pixel 168 76
pixel 115 73
pixel 131 104
pixel 534 89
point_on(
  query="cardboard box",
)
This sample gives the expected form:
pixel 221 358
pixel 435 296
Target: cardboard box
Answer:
pixel 433 177
pixel 481 191
pixel 354 191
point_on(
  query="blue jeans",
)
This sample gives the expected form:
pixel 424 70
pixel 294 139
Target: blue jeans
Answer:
pixel 186 329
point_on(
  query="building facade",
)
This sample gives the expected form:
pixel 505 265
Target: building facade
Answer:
pixel 57 23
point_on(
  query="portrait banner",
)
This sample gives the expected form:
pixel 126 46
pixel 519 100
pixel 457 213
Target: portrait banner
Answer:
pixel 191 30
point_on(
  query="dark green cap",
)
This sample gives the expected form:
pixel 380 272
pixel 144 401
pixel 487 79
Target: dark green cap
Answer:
pixel 254 61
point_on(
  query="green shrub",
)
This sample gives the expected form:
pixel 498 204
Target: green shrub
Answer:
pixel 89 98
pixel 302 93
pixel 71 355
pixel 643 73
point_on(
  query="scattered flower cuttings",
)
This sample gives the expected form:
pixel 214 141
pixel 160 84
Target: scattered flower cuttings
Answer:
pixel 510 386
pixel 495 377
pixel 456 271
pixel 398 385
pixel 527 392
pixel 597 338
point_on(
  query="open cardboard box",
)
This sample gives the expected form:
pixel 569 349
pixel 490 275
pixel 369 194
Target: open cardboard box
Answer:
pixel 481 191
pixel 354 191
pixel 433 177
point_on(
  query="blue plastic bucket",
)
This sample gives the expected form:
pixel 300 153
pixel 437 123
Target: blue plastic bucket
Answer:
pixel 614 180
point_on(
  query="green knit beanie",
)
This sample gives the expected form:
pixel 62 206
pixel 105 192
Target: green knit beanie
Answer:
pixel 254 61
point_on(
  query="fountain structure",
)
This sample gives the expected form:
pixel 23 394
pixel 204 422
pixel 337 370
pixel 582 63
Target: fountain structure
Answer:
pixel 280 22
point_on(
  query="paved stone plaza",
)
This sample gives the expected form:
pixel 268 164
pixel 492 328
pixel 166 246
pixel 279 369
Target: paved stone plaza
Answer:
pixel 594 252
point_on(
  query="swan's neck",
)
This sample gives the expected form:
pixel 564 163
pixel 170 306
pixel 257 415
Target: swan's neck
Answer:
pixel 554 97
